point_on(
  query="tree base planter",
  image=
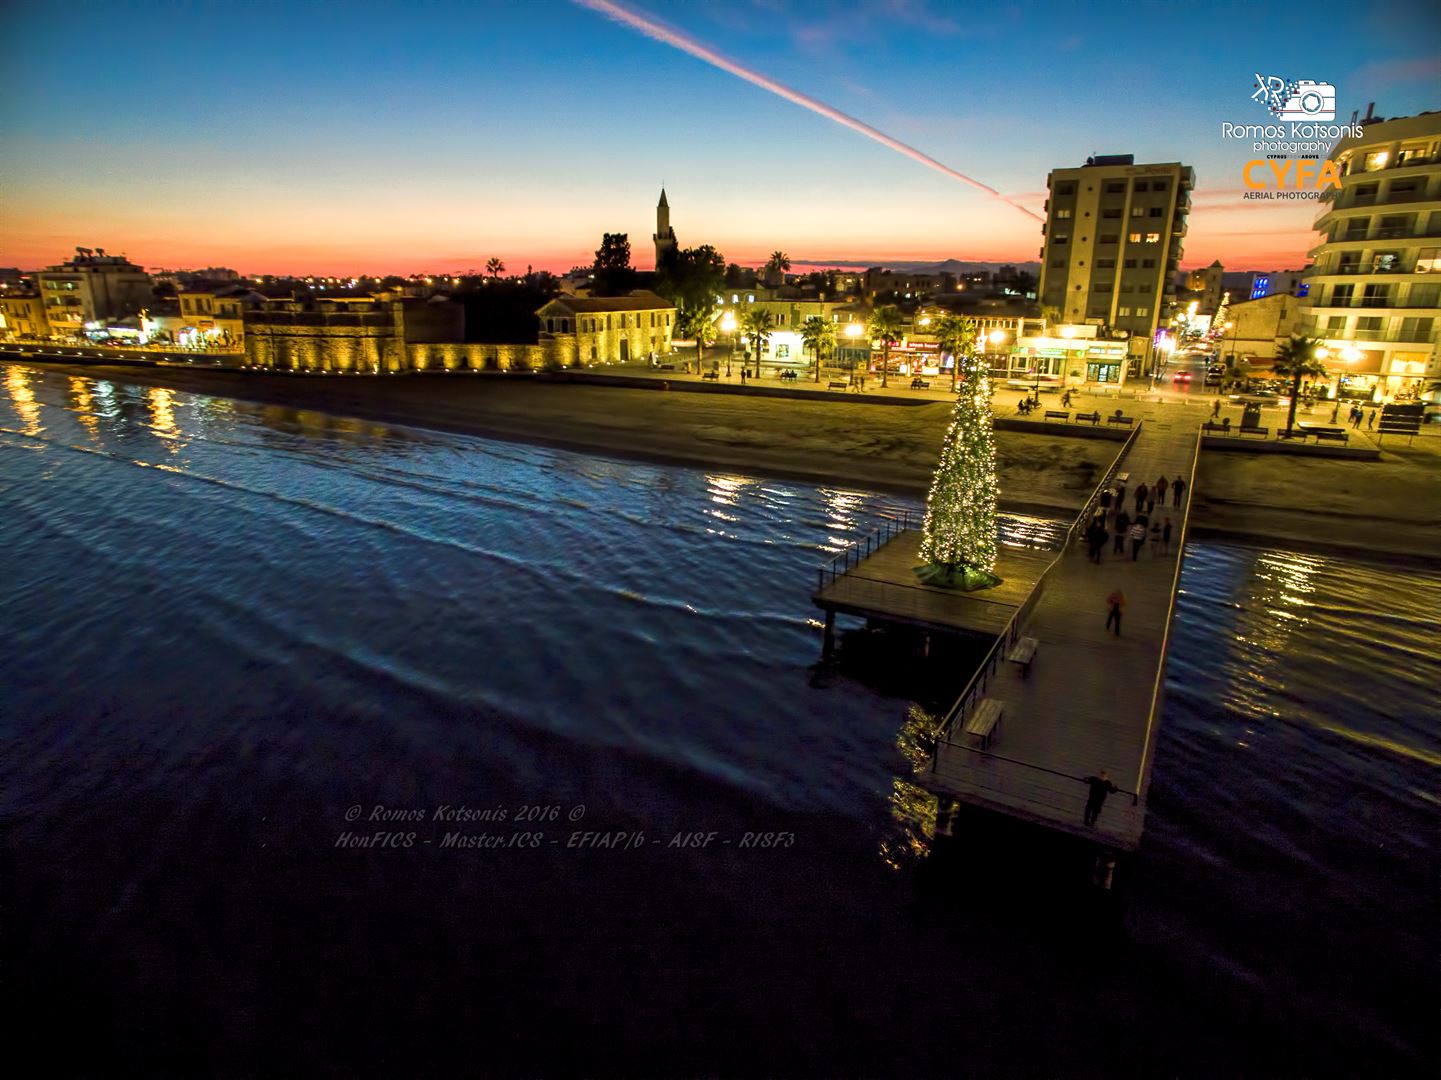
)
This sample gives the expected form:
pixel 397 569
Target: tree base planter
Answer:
pixel 963 578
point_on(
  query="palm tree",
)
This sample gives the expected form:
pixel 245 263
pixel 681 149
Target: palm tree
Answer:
pixel 816 334
pixel 956 335
pixel 885 327
pixel 779 262
pixel 756 327
pixel 1295 360
pixel 493 267
pixel 698 323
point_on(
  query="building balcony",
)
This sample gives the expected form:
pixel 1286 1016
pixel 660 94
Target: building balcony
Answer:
pixel 1385 337
pixel 1372 302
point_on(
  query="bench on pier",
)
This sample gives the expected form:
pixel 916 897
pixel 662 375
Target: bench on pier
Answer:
pixel 984 721
pixel 1210 427
pixel 1122 478
pixel 1261 431
pixel 835 384
pixel 1093 417
pixel 1056 414
pixel 710 375
pixel 920 384
pixel 1334 436
pixel 1127 420
pixel 1023 652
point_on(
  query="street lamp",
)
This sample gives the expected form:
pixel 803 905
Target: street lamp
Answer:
pixel 728 327
pixel 853 331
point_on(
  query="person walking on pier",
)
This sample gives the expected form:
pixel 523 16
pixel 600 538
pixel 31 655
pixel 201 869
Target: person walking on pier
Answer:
pixel 1123 522
pixel 1117 603
pixel 1161 490
pixel 1141 494
pixel 1138 537
pixel 1096 536
pixel 1120 496
pixel 1105 500
pixel 1100 786
pixel 1178 488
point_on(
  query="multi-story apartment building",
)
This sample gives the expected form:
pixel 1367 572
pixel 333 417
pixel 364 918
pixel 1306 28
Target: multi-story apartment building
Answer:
pixel 22 315
pixel 91 287
pixel 1375 296
pixel 1113 236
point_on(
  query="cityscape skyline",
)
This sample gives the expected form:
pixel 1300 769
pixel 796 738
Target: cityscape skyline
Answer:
pixel 348 144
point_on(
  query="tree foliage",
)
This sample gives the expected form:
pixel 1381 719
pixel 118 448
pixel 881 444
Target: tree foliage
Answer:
pixel 614 275
pixel 1297 359
pixel 692 278
pixel 756 328
pixel 957 335
pixel 885 326
pixel 816 334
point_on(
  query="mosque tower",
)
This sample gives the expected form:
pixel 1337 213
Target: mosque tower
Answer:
pixel 664 235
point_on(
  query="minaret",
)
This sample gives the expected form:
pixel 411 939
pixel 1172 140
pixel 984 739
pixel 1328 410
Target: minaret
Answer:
pixel 664 235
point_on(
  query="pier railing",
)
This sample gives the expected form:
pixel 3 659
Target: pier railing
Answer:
pixel 1078 527
pixel 858 551
pixel 976 688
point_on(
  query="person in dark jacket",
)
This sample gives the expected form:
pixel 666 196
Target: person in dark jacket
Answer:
pixel 1100 786
pixel 1123 522
pixel 1177 490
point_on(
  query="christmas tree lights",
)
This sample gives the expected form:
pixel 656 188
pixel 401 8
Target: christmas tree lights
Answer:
pixel 958 538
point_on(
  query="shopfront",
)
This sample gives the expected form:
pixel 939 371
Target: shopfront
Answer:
pixel 1104 361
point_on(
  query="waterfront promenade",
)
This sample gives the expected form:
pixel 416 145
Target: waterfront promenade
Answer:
pixel 1090 700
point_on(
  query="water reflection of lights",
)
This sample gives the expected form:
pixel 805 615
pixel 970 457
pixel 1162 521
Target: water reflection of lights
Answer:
pixel 913 809
pixel 1284 584
pixel 83 402
pixel 726 491
pixel 1038 534
pixel 162 413
pixel 17 382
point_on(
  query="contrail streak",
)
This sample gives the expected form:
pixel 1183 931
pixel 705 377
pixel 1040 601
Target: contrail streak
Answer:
pixel 659 32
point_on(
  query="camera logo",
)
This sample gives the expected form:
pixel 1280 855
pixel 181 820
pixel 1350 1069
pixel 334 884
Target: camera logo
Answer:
pixel 1295 99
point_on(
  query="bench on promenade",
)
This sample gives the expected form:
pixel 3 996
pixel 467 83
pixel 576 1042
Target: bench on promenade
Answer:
pixel 710 375
pixel 984 721
pixel 920 384
pixel 787 375
pixel 665 367
pixel 1056 414
pixel 1264 432
pixel 1127 420
pixel 835 384
pixel 1333 436
pixel 1093 417
pixel 1023 652
pixel 1122 478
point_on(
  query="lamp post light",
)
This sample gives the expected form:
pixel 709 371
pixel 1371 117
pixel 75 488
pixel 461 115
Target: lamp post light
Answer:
pixel 853 331
pixel 728 327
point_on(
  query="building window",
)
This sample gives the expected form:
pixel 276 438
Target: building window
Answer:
pixel 1158 185
pixel 1108 238
pixel 1148 264
pixel 1156 211
pixel 1129 264
pixel 1066 189
pixel 1140 185
pixel 1138 211
pixel 782 352
pixel 1063 212
pixel 1115 187
pixel 1105 264
pixel 1143 312
pixel 1135 238
pixel 1123 312
pixel 1416 329
pixel 1114 212
pixel 1057 241
pixel 1101 287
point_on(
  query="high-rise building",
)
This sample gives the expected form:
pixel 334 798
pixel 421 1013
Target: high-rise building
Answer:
pixel 1375 297
pixel 664 235
pixel 1112 247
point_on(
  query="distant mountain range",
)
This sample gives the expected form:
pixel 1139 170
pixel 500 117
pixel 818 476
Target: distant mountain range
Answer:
pixel 947 266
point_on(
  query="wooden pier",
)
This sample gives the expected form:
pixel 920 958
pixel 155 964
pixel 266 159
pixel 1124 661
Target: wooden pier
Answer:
pixel 1085 700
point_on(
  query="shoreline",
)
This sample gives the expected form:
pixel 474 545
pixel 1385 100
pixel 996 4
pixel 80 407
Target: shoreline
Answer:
pixel 888 451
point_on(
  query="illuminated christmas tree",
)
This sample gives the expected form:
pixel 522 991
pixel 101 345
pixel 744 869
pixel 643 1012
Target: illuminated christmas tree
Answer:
pixel 958 538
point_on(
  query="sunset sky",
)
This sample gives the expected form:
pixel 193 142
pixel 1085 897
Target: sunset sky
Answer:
pixel 397 138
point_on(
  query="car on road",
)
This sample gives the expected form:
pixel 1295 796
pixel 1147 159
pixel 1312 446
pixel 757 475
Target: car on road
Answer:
pixel 1183 377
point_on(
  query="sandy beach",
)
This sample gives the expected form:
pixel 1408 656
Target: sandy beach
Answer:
pixel 1390 507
